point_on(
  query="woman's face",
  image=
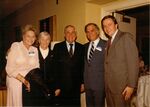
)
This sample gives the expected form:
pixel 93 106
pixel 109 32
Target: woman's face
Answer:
pixel 29 38
pixel 44 41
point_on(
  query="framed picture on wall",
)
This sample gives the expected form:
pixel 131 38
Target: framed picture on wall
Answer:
pixel 49 25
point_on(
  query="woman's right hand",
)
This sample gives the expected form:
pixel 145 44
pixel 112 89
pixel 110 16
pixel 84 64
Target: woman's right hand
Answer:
pixel 24 81
pixel 57 92
pixel 27 84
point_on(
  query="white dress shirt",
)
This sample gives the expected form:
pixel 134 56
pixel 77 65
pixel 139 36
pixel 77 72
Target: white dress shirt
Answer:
pixel 113 36
pixel 68 46
pixel 90 45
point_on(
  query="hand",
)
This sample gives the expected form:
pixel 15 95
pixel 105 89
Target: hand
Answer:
pixel 24 81
pixel 57 92
pixel 127 93
pixel 27 84
pixel 82 88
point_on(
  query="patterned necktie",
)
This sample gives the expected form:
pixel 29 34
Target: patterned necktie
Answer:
pixel 91 52
pixel 71 50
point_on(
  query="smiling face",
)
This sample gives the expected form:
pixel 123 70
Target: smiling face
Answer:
pixel 29 38
pixel 44 40
pixel 109 26
pixel 70 34
pixel 92 32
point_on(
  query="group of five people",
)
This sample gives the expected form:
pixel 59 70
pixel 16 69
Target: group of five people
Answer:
pixel 100 68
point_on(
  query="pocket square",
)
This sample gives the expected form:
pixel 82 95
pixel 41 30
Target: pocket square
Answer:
pixel 99 48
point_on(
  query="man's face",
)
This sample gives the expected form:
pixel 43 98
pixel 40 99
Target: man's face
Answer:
pixel 70 34
pixel 109 27
pixel 92 33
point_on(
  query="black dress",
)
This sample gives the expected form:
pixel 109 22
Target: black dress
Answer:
pixel 48 74
pixel 39 93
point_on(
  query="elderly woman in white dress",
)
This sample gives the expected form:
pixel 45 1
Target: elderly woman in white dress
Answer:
pixel 22 58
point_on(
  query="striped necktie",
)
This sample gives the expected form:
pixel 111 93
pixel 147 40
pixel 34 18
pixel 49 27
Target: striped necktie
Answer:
pixel 91 52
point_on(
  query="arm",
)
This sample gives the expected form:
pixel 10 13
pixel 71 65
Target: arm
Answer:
pixel 11 67
pixel 24 81
pixel 131 55
pixel 56 71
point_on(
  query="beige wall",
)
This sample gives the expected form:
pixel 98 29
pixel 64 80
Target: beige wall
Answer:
pixel 71 12
pixel 93 13
pixel 67 12
pixel 75 12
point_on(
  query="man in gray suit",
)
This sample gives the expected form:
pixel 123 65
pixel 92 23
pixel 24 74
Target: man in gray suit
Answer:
pixel 94 67
pixel 121 64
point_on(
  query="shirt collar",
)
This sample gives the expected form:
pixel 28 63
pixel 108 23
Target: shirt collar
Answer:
pixel 69 43
pixel 43 49
pixel 95 42
pixel 114 35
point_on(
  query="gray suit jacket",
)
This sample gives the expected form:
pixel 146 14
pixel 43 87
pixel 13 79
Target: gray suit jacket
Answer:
pixel 94 71
pixel 121 63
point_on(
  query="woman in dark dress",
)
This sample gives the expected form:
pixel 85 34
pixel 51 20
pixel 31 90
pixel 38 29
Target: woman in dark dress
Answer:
pixel 46 63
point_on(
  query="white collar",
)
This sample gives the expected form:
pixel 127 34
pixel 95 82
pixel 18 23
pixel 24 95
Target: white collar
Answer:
pixel 114 35
pixel 68 44
pixel 44 52
pixel 95 42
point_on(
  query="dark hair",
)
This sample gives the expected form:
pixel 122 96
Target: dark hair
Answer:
pixel 95 25
pixel 108 17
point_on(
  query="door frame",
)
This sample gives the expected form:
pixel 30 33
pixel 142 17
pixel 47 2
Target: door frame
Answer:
pixel 108 8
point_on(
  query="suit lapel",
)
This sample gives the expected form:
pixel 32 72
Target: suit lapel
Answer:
pixel 86 51
pixel 40 54
pixel 99 43
pixel 75 50
pixel 87 47
pixel 65 48
pixel 117 37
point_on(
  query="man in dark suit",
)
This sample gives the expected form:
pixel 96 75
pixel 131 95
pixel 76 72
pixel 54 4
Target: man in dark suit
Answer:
pixel 68 57
pixel 121 64
pixel 94 67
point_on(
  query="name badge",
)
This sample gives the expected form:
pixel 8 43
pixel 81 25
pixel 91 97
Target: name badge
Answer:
pixel 99 48
pixel 31 53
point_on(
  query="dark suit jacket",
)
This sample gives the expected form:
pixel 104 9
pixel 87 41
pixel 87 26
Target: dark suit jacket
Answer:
pixel 94 71
pixel 69 70
pixel 121 63
pixel 46 66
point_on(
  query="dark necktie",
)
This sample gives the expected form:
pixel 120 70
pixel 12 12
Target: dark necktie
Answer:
pixel 71 50
pixel 91 52
pixel 108 45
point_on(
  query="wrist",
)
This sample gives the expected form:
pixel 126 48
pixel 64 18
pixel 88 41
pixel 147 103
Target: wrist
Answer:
pixel 20 78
